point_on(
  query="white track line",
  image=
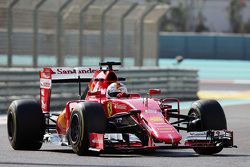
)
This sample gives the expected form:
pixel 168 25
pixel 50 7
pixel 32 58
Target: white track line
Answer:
pixel 3 119
pixel 241 82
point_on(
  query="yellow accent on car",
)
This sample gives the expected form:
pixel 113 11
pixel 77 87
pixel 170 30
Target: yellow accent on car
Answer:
pixel 109 109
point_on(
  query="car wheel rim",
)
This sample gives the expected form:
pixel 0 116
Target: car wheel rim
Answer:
pixel 75 129
pixel 10 126
pixel 194 115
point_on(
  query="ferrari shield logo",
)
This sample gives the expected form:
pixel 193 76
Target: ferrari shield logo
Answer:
pixel 109 109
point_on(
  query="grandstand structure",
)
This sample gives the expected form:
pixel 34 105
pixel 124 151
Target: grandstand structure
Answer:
pixel 79 32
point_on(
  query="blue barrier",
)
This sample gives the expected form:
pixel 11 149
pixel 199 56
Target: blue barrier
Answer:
pixel 247 40
pixel 205 46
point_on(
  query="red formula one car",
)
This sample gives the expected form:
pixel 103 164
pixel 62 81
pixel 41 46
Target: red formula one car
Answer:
pixel 106 116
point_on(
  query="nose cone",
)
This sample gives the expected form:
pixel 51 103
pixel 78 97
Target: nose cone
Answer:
pixel 166 133
pixel 162 130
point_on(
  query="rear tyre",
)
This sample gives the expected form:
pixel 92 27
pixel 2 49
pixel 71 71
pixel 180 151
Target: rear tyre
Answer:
pixel 25 125
pixel 87 117
pixel 211 117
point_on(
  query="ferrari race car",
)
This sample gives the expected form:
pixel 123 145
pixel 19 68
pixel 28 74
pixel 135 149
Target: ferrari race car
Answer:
pixel 107 117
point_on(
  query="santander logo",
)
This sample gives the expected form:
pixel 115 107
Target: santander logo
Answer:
pixel 74 71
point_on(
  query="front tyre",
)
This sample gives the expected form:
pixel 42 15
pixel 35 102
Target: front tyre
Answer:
pixel 211 117
pixel 25 125
pixel 87 117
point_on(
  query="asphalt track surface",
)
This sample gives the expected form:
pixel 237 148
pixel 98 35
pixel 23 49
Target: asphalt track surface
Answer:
pixel 238 117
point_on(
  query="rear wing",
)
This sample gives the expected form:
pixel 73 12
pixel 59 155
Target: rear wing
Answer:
pixel 61 75
pixel 68 74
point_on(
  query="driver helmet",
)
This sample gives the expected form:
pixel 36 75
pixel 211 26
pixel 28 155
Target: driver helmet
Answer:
pixel 115 88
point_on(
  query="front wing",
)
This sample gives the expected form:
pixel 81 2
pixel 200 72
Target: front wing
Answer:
pixel 203 139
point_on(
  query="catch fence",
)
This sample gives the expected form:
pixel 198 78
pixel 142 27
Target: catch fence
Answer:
pixel 79 32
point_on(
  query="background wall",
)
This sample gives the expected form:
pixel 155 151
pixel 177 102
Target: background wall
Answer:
pixel 205 46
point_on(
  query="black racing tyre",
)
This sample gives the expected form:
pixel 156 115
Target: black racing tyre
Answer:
pixel 86 117
pixel 212 117
pixel 25 125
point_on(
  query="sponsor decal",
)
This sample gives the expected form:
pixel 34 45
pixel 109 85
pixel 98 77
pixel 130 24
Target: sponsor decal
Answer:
pixel 44 106
pixel 204 133
pixel 97 141
pixel 46 73
pixel 164 129
pixel 74 71
pixel 156 119
pixel 45 83
pixel 45 99
pixel 109 109
pixel 121 107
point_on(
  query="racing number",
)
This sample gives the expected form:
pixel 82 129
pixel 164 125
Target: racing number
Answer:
pixel 109 108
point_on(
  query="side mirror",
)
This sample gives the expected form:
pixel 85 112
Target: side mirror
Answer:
pixel 134 112
pixel 154 91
